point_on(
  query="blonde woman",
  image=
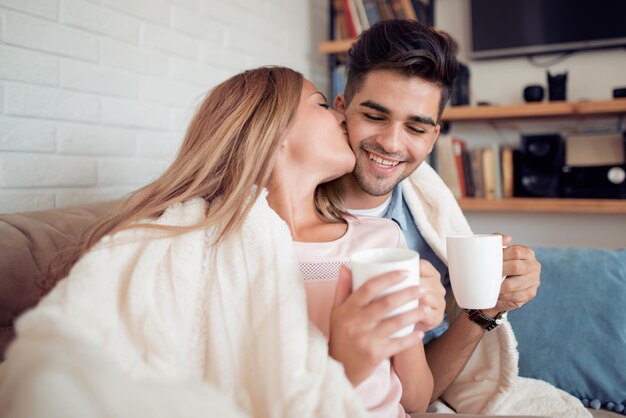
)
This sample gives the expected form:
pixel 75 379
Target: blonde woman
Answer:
pixel 188 300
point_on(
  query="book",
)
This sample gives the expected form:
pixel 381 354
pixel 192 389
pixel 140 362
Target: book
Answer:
pixel 507 172
pixel 458 146
pixel 341 26
pixel 446 164
pixel 360 10
pixel 372 11
pixel 350 17
pixel 338 81
pixel 497 169
pixel 476 158
pixel 489 173
pixel 384 9
pixel 409 11
pixel 467 171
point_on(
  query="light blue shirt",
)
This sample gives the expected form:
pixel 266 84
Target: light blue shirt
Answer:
pixel 398 211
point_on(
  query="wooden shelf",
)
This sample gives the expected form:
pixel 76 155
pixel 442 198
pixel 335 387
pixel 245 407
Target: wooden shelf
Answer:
pixel 544 205
pixel 335 47
pixel 534 110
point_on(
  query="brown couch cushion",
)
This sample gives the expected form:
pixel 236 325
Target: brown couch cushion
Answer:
pixel 28 241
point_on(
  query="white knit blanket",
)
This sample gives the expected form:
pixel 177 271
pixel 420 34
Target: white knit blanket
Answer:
pixel 489 384
pixel 175 327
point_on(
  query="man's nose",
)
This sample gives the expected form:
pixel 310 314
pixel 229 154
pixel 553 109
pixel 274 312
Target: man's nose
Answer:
pixel 391 138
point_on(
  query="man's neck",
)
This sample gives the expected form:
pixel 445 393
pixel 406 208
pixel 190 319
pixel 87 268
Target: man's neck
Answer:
pixel 356 198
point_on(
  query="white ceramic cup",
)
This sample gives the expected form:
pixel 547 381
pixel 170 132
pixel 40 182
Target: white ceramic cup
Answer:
pixel 475 267
pixel 367 264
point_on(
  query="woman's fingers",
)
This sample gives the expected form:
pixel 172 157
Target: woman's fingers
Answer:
pixel 389 326
pixel 372 289
pixel 380 308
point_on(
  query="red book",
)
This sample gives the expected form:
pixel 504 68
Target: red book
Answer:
pixel 458 146
pixel 347 12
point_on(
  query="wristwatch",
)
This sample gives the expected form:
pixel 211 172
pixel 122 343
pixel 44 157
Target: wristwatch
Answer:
pixel 484 321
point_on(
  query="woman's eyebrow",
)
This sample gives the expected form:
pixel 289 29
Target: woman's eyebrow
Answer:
pixel 321 94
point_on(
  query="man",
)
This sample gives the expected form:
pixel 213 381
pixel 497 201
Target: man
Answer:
pixel 399 79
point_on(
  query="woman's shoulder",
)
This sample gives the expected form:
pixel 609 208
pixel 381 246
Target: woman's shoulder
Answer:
pixel 375 231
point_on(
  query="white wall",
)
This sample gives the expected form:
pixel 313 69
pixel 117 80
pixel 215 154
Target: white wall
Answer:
pixel 591 75
pixel 95 95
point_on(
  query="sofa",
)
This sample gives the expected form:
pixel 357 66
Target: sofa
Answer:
pixel 573 334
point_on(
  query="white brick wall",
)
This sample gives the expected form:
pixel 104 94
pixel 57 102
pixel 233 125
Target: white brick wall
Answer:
pixel 95 95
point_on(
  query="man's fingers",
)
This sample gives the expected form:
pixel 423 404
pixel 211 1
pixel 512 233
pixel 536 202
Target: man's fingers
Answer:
pixel 518 252
pixel 506 239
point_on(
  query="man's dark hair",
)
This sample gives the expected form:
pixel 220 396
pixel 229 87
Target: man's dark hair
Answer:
pixel 407 47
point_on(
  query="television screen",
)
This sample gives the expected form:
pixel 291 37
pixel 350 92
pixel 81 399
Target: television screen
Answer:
pixel 502 28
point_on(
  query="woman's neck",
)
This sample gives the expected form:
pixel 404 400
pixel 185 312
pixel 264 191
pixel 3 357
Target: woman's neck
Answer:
pixel 296 206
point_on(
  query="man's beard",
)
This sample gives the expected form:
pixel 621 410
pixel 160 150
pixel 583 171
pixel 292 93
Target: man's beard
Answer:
pixel 377 187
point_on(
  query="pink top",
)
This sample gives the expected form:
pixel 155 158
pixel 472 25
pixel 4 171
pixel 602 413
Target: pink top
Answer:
pixel 319 268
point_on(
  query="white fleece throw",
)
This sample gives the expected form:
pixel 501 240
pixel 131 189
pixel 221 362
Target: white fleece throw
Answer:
pixel 174 327
pixel 489 384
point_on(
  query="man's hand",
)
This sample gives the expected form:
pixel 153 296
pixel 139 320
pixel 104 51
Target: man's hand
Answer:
pixel 432 299
pixel 522 271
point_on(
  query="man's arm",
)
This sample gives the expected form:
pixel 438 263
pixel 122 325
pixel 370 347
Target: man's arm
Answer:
pixel 448 354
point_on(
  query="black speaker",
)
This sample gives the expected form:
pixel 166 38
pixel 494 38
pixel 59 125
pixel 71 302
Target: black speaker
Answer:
pixel 539 165
pixel 460 88
pixel 600 182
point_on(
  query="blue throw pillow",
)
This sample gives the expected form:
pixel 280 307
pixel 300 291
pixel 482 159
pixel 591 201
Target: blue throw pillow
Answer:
pixel 573 334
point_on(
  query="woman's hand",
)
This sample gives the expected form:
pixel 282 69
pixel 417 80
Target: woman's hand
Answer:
pixel 359 333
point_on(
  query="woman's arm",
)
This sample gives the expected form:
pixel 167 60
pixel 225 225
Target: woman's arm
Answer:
pixel 417 381
pixel 411 365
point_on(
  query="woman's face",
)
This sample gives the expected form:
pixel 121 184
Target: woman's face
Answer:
pixel 317 142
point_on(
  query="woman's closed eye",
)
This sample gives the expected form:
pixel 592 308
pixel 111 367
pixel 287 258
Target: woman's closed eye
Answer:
pixel 323 104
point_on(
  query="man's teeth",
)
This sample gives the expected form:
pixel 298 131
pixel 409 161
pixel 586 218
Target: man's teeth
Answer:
pixel 382 162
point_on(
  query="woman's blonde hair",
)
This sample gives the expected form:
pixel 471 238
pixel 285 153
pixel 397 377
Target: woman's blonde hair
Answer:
pixel 226 158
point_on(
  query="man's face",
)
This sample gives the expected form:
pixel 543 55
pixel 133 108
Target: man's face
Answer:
pixel 391 127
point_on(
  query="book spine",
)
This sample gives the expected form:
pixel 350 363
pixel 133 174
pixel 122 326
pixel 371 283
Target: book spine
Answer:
pixel 477 171
pixel 507 172
pixel 446 164
pixel 349 18
pixel 360 8
pixel 497 167
pixel 467 170
pixel 489 174
pixel 458 147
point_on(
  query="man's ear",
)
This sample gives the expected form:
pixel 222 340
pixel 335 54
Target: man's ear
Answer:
pixel 340 103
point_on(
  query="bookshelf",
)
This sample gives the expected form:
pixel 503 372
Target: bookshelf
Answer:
pixel 544 205
pixel 540 110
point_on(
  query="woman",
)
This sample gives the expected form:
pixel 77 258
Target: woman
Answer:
pixel 187 298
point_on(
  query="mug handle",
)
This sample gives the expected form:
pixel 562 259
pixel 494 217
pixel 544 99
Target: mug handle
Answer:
pixel 503 277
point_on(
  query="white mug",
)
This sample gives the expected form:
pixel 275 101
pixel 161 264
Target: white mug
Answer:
pixel 475 267
pixel 366 264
